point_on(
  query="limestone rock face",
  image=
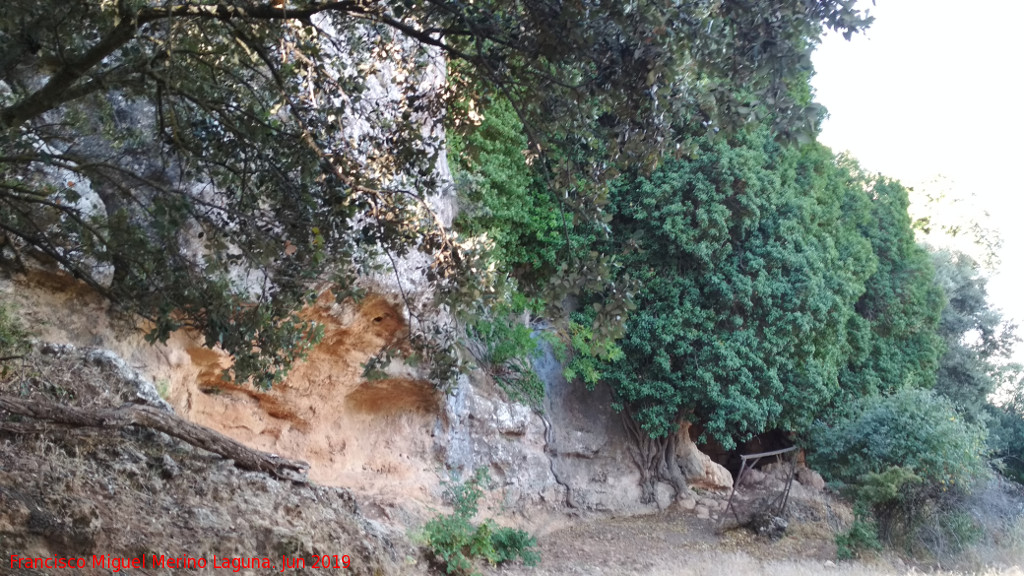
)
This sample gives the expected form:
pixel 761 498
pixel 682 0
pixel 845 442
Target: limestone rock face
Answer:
pixel 664 494
pixel 391 441
pixel 142 388
pixel 809 478
pixel 512 419
pixel 507 438
pixel 122 493
pixel 587 444
pixel 698 468
pixel 573 453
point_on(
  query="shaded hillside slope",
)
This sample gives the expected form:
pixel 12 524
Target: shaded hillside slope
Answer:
pixel 79 492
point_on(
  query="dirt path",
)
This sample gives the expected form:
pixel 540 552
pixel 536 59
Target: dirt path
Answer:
pixel 673 542
pixel 619 545
pixel 676 543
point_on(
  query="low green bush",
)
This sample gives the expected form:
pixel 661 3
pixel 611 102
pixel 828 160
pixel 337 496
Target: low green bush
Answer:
pixel 910 459
pixel 457 543
pixel 1006 432
pixel 512 543
pixel 14 340
pixel 13 337
pixel 916 430
pixel 862 536
pixel 506 345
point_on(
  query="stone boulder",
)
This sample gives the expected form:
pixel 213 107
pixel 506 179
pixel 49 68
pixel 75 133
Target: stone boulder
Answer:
pixel 809 478
pixel 754 477
pixel 768 525
pixel 698 468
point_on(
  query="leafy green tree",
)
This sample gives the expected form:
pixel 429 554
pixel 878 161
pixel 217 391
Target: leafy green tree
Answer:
pixel 975 372
pixel 750 259
pixel 915 429
pixel 205 164
pixel 1006 430
pixel 502 197
pixel 894 337
pixel 978 342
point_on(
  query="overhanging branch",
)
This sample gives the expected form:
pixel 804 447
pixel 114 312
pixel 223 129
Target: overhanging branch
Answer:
pixel 61 87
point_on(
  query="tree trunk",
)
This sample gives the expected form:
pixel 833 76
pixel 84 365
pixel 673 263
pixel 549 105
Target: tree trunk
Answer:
pixel 670 471
pixel 688 457
pixel 160 420
pixel 656 460
pixel 116 208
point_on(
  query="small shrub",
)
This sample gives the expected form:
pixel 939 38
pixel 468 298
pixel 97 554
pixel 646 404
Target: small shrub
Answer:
pixel 1006 431
pixel 916 430
pixel 878 488
pixel 506 345
pixel 13 337
pixel 961 529
pixel 457 543
pixel 862 536
pixel 585 354
pixel 512 543
pixel 163 388
pixel 909 459
pixel 14 341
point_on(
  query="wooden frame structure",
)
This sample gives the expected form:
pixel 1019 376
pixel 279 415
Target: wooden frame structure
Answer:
pixel 776 506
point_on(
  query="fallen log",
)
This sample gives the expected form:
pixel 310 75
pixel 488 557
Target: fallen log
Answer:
pixel 162 421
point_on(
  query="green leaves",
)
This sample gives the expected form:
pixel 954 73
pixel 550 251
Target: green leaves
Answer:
pixel 915 429
pixel 14 339
pixel 901 306
pixel 978 341
pixel 502 197
pixel 504 345
pixel 250 154
pixel 907 457
pixel 584 354
pixel 457 543
pixel 749 256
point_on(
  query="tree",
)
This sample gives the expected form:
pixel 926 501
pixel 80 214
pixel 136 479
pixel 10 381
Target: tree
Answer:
pixel 1006 429
pixel 207 164
pixel 503 198
pixel 750 259
pixel 978 342
pixel 975 372
pixel 894 335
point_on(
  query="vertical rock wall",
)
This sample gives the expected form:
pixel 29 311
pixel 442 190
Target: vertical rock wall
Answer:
pixel 572 454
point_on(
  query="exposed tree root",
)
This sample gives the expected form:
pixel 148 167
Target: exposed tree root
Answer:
pixel 156 419
pixel 656 460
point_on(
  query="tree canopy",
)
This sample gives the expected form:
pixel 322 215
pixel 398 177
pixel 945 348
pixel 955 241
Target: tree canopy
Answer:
pixel 204 164
pixel 975 371
pixel 773 284
pixel 895 331
pixel 750 259
pixel 977 340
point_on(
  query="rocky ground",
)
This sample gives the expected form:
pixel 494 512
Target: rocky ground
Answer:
pixel 690 537
pixel 675 543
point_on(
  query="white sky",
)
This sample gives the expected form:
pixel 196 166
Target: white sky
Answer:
pixel 933 95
